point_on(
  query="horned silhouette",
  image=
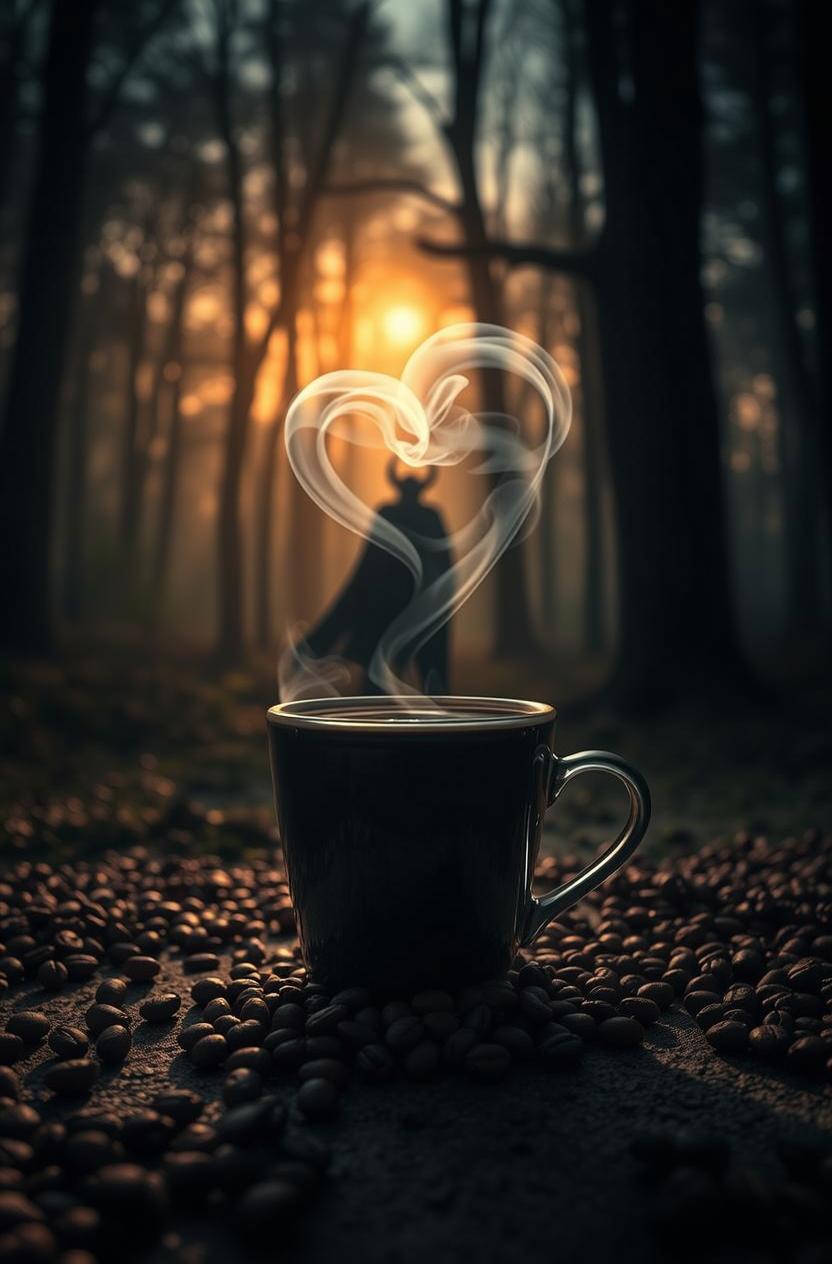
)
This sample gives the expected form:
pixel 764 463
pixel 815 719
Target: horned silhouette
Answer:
pixel 381 586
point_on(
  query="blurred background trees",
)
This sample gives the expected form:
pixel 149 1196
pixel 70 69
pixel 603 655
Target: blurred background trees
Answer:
pixel 206 203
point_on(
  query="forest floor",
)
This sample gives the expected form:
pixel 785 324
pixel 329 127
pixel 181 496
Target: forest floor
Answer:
pixel 107 754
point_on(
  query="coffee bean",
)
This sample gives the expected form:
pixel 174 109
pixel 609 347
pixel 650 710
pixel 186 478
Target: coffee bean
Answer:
pixel 113 1045
pixel 68 1042
pixel 695 1002
pixel 201 963
pixel 147 1133
pixel 258 1060
pixel 317 1098
pixel 188 1036
pixel 516 1040
pixel 189 1173
pixel 404 1034
pixel 241 1086
pixel 325 1069
pixel 29 1025
pixel 71 1078
pixel 728 1036
pixel 582 1025
pixel 86 1152
pixel 325 1021
pixel 247 1035
pixel 209 1051
pixel 195 1136
pixel 99 1017
pixel 458 1045
pixel 487 1063
pixel 12 1048
pixel 661 994
pixel 374 1063
pixel 430 1002
pixel 808 1054
pixel 181 1105
pixel 562 1049
pixel 215 1009
pixel 353 998
pixel 16 1209
pixel 267 1208
pixel 621 1032
pixel 18 1121
pixel 208 989
pixel 422 1060
pixel 641 1008
pixel 111 991
pixel 52 976
pixel 356 1034
pixel 131 1196
pixel 598 1011
pixel 141 969
pixel 160 1008
pixel 9 1083
pixel 80 966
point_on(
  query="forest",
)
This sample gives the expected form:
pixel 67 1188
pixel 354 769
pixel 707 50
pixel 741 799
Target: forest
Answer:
pixel 207 203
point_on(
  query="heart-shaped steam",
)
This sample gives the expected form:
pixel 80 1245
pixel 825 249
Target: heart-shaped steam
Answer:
pixel 418 421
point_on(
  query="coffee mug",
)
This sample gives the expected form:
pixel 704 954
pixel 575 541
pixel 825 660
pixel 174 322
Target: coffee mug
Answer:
pixel 410 830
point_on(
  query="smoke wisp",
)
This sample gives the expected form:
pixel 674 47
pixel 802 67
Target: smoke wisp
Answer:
pixel 418 420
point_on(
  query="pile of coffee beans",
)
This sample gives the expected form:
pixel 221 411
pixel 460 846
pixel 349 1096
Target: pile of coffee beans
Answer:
pixel 738 935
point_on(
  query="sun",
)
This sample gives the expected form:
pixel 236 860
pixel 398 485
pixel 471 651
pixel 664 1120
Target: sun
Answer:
pixel 403 324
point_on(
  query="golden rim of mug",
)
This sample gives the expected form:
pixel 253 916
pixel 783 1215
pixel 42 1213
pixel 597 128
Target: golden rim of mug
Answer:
pixel 423 714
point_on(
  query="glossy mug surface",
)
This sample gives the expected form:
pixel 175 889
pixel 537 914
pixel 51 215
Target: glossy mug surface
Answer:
pixel 410 833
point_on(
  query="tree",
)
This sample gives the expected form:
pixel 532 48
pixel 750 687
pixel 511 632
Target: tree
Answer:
pixel 48 278
pixel 247 358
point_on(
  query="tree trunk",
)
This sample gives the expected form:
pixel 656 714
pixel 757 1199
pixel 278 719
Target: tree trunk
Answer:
pixel 514 635
pixel 263 577
pixel 133 439
pixel 676 630
pixel 814 77
pixel 48 283
pixel 72 599
pixel 797 407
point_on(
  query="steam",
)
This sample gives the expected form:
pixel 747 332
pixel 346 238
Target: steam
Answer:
pixel 419 421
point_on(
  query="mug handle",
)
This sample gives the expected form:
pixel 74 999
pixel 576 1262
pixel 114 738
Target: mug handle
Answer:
pixel 559 772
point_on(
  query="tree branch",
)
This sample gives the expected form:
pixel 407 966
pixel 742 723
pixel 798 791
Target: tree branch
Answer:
pixel 581 263
pixel 134 52
pixel 418 91
pixel 394 184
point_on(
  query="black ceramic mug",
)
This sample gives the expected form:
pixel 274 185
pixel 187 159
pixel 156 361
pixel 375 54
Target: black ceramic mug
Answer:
pixel 410 832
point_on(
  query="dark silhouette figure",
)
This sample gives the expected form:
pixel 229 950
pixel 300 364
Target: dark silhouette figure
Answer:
pixel 381 586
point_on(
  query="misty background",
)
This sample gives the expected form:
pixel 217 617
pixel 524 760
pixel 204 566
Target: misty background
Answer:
pixel 207 203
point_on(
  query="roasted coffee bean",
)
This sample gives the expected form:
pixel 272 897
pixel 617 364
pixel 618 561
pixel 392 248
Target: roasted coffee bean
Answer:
pixel 267 1208
pixel 808 1054
pixel 728 1036
pixel 517 1041
pixel 80 965
pixel 258 1060
pixel 560 1049
pixel 356 1034
pixel 422 1060
pixel 113 1045
pixel 660 993
pixel 188 1036
pixel 209 1051
pixel 160 1008
pixel 9 1083
pixel 214 1009
pixel 621 1032
pixel 325 1021
pixel 225 1023
pixel 147 1133
pixel 99 1017
pixel 598 1011
pixel 208 989
pixel 241 1086
pixel 245 1035
pixel 129 1195
pixel 68 1042
pixel 111 991
pixel 85 1152
pixel 52 976
pixel 189 1173
pixel 30 1026
pixel 18 1121
pixel 71 1078
pixel 641 1008
pixel 374 1063
pixel 201 963
pixel 404 1034
pixel 195 1136
pixel 243 1124
pixel 353 998
pixel 181 1105
pixel 487 1063
pixel 141 969
pixel 317 1098
pixel 12 1048
pixel 325 1069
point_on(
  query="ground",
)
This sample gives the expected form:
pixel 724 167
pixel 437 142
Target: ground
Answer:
pixel 539 1166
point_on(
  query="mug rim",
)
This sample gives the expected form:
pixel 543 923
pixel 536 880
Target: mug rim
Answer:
pixel 519 714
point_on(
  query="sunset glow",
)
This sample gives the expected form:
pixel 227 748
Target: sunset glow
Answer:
pixel 403 324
